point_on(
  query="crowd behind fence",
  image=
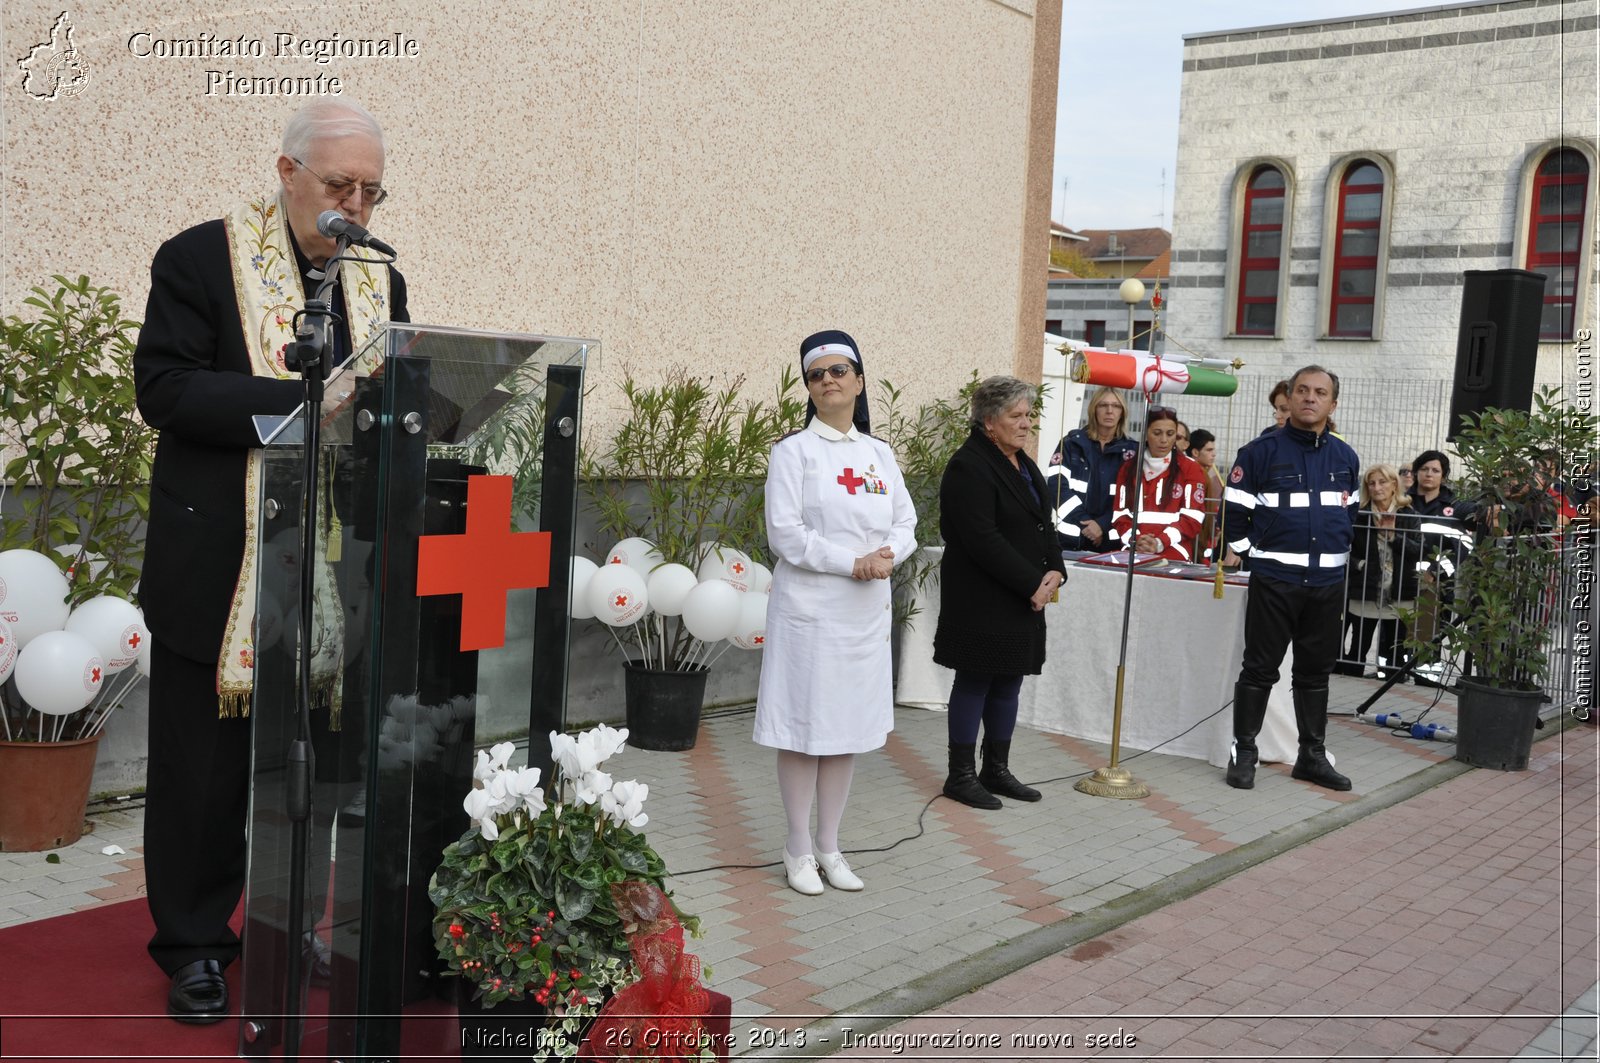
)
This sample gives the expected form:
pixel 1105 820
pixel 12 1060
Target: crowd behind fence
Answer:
pixel 1388 421
pixel 1566 612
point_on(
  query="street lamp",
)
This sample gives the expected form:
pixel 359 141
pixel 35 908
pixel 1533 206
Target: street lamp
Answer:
pixel 1132 291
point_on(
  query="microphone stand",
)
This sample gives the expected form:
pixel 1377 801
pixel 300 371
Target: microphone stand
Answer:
pixel 1112 780
pixel 311 351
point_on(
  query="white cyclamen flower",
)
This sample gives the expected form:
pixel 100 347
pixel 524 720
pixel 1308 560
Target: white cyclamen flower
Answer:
pixel 591 785
pixel 479 805
pixel 482 769
pixel 564 753
pixel 625 804
pixel 500 755
pixel 523 784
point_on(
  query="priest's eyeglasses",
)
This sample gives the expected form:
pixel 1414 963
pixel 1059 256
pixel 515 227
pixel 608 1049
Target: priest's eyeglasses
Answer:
pixel 837 370
pixel 340 189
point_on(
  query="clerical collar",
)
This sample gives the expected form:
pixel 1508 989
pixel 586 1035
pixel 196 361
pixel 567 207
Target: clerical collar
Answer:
pixel 314 274
pixel 830 433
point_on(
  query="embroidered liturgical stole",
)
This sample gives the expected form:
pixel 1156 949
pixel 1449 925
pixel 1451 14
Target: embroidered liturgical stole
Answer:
pixel 266 280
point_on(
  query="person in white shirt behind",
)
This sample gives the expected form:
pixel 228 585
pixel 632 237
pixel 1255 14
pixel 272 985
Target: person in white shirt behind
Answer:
pixel 839 520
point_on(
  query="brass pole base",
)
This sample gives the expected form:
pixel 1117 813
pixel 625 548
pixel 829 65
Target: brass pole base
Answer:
pixel 1112 782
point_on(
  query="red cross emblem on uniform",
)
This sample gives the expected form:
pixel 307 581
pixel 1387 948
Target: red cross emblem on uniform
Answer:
pixel 850 481
pixel 485 563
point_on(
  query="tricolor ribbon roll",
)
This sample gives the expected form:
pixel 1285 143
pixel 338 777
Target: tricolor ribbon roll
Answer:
pixel 1148 373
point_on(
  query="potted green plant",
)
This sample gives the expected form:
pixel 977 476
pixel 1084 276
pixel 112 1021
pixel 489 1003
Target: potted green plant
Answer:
pixel 524 911
pixel 1511 464
pixel 78 458
pixel 684 473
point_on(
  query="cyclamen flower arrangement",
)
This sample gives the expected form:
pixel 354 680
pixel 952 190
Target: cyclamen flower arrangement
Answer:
pixel 522 901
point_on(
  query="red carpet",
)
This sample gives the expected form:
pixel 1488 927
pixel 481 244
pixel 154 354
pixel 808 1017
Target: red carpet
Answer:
pixel 81 986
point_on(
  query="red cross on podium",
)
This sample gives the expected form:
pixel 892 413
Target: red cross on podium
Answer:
pixel 850 480
pixel 483 564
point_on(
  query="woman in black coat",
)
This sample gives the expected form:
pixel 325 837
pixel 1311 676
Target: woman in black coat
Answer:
pixel 1002 565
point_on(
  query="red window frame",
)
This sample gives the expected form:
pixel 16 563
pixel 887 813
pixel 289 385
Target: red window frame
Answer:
pixel 1563 166
pixel 1343 261
pixel 1247 264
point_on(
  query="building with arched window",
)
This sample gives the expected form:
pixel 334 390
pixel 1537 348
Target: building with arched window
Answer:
pixel 1335 180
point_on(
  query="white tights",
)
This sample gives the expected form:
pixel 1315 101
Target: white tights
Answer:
pixel 801 775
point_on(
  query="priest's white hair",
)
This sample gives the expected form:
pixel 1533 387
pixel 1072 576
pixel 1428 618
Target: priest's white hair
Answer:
pixel 327 119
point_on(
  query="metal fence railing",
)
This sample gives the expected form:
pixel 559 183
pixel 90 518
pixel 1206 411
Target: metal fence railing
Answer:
pixel 1374 627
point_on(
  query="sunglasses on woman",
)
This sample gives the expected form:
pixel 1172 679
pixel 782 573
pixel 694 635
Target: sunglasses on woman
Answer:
pixel 837 371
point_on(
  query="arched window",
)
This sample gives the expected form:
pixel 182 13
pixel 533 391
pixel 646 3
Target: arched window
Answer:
pixel 1556 216
pixel 1357 240
pixel 1261 252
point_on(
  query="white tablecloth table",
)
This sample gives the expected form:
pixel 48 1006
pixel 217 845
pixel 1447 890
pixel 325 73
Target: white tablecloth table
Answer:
pixel 1184 647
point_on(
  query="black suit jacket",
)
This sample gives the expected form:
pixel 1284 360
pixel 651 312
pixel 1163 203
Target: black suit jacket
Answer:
pixel 999 543
pixel 192 373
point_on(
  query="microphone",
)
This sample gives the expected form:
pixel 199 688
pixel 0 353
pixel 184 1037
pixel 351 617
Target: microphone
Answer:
pixel 332 223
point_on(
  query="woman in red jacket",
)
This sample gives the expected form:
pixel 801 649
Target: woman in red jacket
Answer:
pixel 1173 504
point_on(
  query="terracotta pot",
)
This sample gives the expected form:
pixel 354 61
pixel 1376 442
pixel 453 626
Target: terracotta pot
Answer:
pixel 44 788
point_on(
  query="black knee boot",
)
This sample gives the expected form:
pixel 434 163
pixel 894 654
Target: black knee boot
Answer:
pixel 962 783
pixel 1311 716
pixel 1249 710
pixel 996 776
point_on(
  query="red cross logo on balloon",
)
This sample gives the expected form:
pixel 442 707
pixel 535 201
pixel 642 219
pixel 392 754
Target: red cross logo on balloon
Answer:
pixel 621 601
pixel 738 568
pixel 134 639
pixel 484 564
pixel 94 675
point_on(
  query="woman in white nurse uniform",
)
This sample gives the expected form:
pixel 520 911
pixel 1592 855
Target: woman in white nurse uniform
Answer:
pixel 838 520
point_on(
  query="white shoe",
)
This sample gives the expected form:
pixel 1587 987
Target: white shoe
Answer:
pixel 802 873
pixel 840 877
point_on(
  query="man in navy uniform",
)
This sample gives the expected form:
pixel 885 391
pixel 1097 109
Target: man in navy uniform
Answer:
pixel 1291 505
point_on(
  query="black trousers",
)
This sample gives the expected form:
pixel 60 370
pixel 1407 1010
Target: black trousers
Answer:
pixel 196 803
pixel 1277 613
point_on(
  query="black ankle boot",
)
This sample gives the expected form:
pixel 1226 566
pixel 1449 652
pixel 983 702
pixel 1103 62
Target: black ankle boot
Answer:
pixel 1311 715
pixel 1249 711
pixel 996 775
pixel 962 783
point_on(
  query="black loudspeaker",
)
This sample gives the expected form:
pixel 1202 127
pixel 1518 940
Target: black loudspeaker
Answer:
pixel 1498 345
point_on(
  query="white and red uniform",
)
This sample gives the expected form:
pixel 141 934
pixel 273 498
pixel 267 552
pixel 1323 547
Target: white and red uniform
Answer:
pixel 1172 508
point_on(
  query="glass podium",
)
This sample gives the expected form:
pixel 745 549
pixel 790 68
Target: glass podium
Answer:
pixel 398 705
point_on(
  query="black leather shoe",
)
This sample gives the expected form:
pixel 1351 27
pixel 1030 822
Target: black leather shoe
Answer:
pixel 199 993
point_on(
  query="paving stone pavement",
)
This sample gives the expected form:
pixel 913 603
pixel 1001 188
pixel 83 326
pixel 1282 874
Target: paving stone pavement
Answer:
pixel 1122 909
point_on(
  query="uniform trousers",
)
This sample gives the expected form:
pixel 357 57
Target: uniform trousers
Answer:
pixel 1278 612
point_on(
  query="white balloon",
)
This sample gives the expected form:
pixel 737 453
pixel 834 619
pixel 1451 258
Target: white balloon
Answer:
pixel 113 626
pixel 33 594
pixel 760 577
pixel 668 586
pixel 96 562
pixel 711 610
pixel 617 595
pixel 145 650
pixel 638 554
pixel 726 563
pixel 582 571
pixel 59 672
pixel 751 634
pixel 8 651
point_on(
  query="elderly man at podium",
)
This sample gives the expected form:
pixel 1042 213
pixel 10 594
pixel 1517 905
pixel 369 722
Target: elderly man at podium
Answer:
pixel 223 296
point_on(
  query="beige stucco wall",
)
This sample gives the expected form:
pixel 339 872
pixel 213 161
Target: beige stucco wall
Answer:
pixel 700 183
